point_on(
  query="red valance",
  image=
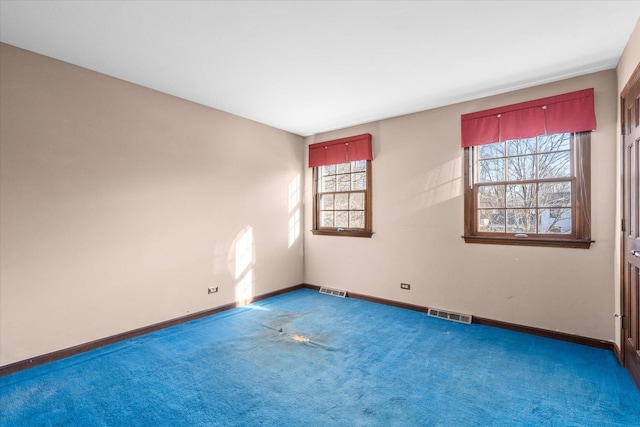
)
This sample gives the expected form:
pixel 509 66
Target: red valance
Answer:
pixel 569 112
pixel 340 151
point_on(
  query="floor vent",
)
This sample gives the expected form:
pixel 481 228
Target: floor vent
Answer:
pixel 450 315
pixel 335 292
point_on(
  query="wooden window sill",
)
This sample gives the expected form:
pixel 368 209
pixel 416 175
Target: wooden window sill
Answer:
pixel 530 241
pixel 345 233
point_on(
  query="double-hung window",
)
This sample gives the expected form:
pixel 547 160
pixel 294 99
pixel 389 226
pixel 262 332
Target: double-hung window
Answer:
pixel 342 186
pixel 531 184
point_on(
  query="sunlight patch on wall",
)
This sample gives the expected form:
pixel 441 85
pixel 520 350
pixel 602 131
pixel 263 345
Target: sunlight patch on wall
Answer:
pixel 294 202
pixel 244 260
pixel 294 227
pixel 437 186
pixel 244 252
pixel 294 193
pixel 244 289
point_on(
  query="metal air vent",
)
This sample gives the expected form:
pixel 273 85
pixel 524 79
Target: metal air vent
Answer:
pixel 335 292
pixel 450 315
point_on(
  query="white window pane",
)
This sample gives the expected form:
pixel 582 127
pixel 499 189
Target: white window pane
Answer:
pixel 344 183
pixel 491 220
pixel 359 166
pixel 554 165
pixel 327 170
pixel 555 194
pixel 521 195
pixel 555 142
pixel 490 151
pixel 342 201
pixel 521 220
pixel 356 219
pixel 356 201
pixel 555 221
pixel 521 167
pixel 491 196
pixel 491 170
pixel 328 183
pixel 326 202
pixel 342 219
pixel 518 147
pixel 358 181
pixel 326 219
pixel 343 168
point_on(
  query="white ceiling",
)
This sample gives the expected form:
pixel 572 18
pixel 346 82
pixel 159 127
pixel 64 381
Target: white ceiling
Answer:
pixel 313 66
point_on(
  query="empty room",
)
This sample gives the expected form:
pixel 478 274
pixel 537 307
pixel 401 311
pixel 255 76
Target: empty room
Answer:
pixel 319 213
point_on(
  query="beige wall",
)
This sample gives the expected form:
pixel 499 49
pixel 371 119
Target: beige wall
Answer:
pixel 628 62
pixel 630 58
pixel 121 205
pixel 418 221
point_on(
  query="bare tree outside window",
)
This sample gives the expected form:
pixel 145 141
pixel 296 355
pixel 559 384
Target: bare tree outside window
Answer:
pixel 529 188
pixel 342 199
pixel 524 185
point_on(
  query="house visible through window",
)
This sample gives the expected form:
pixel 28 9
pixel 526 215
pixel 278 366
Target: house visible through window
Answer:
pixel 529 187
pixel 530 190
pixel 524 185
pixel 342 186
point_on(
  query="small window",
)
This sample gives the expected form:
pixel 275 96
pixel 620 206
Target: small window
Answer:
pixel 342 199
pixel 532 191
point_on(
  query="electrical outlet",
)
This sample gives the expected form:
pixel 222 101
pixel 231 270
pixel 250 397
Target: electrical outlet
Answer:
pixel 405 286
pixel 213 290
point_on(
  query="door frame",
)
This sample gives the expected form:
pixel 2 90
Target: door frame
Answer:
pixel 621 352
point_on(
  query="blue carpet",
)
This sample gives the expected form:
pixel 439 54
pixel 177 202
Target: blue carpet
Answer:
pixel 306 359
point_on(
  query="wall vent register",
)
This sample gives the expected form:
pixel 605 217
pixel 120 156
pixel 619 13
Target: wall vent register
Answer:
pixel 335 292
pixel 450 315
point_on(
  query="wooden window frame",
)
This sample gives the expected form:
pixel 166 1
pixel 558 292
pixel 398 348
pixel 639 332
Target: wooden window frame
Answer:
pixel 335 231
pixel 580 208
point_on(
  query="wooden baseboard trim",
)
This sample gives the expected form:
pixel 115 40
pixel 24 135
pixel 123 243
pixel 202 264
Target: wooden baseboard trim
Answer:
pixel 82 348
pixel 376 299
pixel 618 353
pixel 102 342
pixel 576 339
pixel 562 336
pixel 388 302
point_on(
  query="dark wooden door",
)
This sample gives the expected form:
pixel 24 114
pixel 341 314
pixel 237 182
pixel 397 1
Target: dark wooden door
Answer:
pixel 630 287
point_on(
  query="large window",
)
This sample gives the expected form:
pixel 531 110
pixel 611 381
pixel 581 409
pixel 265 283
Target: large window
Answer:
pixel 342 186
pixel 532 191
pixel 343 199
pixel 527 172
